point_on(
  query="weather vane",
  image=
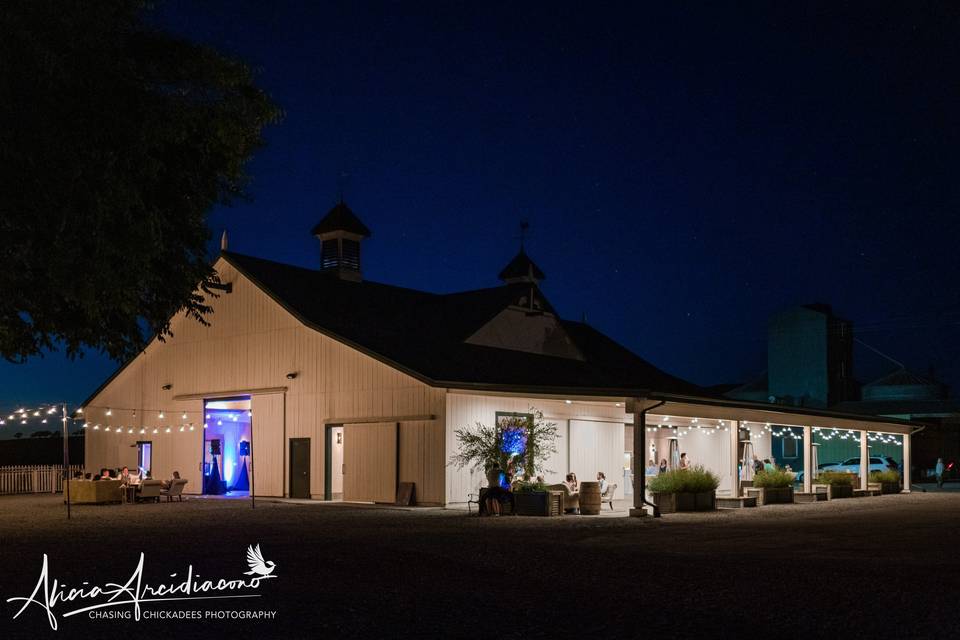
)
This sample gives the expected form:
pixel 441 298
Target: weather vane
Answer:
pixel 524 228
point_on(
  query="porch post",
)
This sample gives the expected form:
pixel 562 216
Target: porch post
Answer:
pixel 807 459
pixel 735 455
pixel 906 462
pixel 864 460
pixel 639 457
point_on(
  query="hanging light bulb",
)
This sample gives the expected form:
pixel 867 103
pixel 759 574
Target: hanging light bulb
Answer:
pixel 96 428
pixel 130 430
pixel 168 429
pixel 80 411
pixel 109 412
pixel 23 422
pixel 184 416
pixel 191 427
pixel 204 425
pixel 106 429
pixel 219 423
pixel 10 417
pixel 3 421
pixel 181 429
pixel 44 421
pixel 250 413
pixel 161 415
pixel 142 430
pixel 36 413
pixel 155 430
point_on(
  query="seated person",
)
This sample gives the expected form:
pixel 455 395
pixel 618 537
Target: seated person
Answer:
pixel 124 476
pixel 571 483
pixel 166 484
pixel 496 496
pixel 651 467
pixel 104 474
pixel 602 479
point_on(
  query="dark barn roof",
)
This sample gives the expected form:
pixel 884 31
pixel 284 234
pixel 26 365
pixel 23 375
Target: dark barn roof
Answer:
pixel 424 334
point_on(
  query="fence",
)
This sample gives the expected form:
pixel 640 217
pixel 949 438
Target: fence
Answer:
pixel 33 478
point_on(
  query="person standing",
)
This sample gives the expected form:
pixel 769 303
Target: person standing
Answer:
pixel 684 462
pixel 939 471
pixel 663 465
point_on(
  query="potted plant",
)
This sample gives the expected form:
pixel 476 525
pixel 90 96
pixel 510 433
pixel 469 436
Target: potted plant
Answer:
pixel 772 487
pixel 685 490
pixel 839 484
pixel 523 443
pixel 888 480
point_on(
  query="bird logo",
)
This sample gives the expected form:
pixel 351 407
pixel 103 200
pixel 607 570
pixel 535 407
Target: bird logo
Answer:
pixel 258 566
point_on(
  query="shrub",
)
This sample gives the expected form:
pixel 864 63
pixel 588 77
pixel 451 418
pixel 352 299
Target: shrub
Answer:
pixel 835 478
pixel 695 480
pixel 529 487
pixel 888 476
pixel 776 479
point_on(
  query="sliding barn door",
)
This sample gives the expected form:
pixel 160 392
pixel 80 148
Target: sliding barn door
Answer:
pixel 370 462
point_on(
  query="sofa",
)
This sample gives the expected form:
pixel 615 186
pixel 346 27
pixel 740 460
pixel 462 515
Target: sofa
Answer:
pixel 94 491
pixel 570 500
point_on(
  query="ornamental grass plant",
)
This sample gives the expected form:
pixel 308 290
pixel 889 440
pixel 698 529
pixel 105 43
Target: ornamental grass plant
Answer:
pixel 889 476
pixel 775 479
pixel 835 478
pixel 694 480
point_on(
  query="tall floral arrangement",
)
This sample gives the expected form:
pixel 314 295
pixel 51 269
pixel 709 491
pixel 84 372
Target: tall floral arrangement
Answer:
pixel 528 443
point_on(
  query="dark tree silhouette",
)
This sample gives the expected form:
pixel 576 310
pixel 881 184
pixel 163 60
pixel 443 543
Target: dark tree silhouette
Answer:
pixel 116 142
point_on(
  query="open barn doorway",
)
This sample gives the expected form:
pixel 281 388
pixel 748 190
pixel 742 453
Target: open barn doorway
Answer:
pixel 226 446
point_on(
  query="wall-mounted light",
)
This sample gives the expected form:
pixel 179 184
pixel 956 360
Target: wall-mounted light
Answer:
pixel 292 375
pixel 167 387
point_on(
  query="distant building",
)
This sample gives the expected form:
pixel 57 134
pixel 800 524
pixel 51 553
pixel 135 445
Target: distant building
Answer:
pixel 810 364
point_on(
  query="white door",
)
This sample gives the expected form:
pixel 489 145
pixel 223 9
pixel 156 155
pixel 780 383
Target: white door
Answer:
pixel 370 462
pixel 597 446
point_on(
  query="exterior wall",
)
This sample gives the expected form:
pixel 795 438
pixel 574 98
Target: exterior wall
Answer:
pixel 253 343
pixel 465 409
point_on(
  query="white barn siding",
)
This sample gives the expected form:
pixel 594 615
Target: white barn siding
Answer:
pixel 252 344
pixel 465 410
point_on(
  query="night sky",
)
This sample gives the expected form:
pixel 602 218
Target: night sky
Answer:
pixel 686 172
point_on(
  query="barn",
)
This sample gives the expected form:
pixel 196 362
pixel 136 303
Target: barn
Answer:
pixel 317 383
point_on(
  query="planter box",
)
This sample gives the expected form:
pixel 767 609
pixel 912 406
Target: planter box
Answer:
pixel 889 487
pixel 538 503
pixel 768 495
pixel 837 491
pixel 674 502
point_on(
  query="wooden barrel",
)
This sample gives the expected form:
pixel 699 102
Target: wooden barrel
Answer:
pixel 590 498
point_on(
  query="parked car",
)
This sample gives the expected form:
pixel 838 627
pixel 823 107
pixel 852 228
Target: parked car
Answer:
pixel 852 465
pixel 823 466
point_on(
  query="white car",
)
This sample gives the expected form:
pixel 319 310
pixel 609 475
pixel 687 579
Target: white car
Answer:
pixel 877 463
pixel 852 465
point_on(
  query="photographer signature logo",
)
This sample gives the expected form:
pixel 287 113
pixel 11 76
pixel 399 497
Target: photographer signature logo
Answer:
pixel 49 595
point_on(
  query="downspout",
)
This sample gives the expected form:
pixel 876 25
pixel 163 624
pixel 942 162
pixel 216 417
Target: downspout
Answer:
pixel 641 429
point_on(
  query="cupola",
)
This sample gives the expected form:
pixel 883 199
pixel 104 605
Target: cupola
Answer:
pixel 340 233
pixel 521 269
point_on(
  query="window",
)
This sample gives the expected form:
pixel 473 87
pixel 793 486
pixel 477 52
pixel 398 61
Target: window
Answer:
pixel 790 447
pixel 144 451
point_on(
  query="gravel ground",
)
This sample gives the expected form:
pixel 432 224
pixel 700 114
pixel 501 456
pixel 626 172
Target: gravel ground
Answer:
pixel 879 566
